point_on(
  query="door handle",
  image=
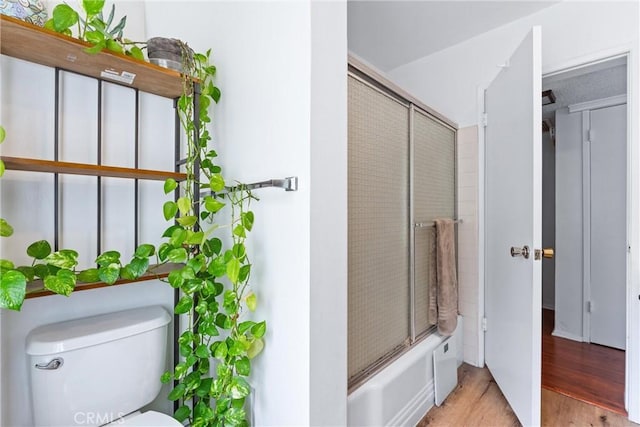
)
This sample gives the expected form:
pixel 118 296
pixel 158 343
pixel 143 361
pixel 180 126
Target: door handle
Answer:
pixel 523 252
pixel 543 253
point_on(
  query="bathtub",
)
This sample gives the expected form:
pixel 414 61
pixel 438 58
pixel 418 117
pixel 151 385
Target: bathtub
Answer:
pixel 401 393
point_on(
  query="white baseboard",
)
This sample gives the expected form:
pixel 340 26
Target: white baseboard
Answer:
pixel 564 334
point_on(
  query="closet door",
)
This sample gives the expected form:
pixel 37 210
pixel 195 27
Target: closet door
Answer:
pixel 608 251
pixel 378 227
pixel 433 197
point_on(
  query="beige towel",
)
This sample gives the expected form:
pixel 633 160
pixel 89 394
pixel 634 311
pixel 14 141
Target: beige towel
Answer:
pixel 432 279
pixel 446 279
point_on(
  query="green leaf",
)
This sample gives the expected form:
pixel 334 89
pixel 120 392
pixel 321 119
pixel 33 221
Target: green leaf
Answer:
pixel 138 266
pixel 96 48
pixel 194 238
pixel 223 321
pixel 178 236
pixel 39 250
pixel 64 17
pixel 169 209
pixel 255 348
pixel 41 270
pixel 252 301
pixel 109 274
pixel 5 264
pixel 212 205
pixel 62 283
pixel 92 7
pixel 169 185
pixel 64 258
pixel 187 221
pixel 244 273
pixel 163 251
pixel 94 37
pixel 3 134
pixel 184 205
pixel 136 53
pixel 2 167
pixel 239 251
pixel 184 305
pixel 166 377
pixel 233 270
pixel 202 351
pixel 182 413
pixel 127 274
pixel 243 366
pixel 177 255
pixel 204 388
pixel 245 326
pixel 217 267
pixel 211 247
pixel 229 303
pixel 29 272
pixel 239 388
pixel 13 287
pixel 107 258
pixel 216 182
pixel 259 329
pixel 144 251
pixel 239 231
pixel 89 276
pixel 114 46
pixel 220 351
pixel 216 94
pixel 247 220
pixel 5 229
pixel 169 231
pixel 177 392
pixel 196 263
pixel 117 30
pixel 175 279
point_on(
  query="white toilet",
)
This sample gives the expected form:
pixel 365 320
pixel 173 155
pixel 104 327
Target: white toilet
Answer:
pixel 99 370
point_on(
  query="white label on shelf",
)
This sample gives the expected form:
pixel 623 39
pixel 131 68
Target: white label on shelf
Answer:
pixel 124 77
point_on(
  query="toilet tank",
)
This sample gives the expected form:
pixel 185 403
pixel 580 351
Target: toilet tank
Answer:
pixel 94 370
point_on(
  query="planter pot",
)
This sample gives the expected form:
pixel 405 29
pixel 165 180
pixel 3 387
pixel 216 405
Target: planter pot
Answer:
pixel 166 52
pixel 32 11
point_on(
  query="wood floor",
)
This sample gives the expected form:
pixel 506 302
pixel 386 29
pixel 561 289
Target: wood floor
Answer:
pixel 477 401
pixel 588 372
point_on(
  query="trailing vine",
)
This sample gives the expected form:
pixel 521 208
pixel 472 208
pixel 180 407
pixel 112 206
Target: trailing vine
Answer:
pixel 213 274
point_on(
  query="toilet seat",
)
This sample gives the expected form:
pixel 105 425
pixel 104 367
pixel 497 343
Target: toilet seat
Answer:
pixel 146 419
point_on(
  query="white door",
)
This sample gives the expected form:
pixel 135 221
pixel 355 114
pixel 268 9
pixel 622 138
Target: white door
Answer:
pixel 513 218
pixel 608 230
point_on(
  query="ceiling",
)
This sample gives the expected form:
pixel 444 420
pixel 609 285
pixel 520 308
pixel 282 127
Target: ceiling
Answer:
pixel 388 34
pixel 599 81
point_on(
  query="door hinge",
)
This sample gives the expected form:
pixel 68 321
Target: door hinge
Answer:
pixel 588 306
pixel 484 324
pixel 484 120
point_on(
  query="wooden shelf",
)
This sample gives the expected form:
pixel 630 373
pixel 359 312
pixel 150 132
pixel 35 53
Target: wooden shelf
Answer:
pixel 35 288
pixel 32 43
pixel 51 166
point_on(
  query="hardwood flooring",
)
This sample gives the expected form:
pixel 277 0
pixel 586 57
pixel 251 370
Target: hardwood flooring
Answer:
pixel 477 401
pixel 588 372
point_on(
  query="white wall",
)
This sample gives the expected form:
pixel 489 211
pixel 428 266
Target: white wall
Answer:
pixel 328 328
pixel 467 179
pixel 281 69
pixel 448 80
pixel 548 219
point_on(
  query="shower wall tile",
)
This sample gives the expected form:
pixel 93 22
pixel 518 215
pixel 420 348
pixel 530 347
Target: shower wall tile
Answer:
pixel 467 203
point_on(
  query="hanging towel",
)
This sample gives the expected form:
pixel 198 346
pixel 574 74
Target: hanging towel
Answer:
pixel 447 282
pixel 432 279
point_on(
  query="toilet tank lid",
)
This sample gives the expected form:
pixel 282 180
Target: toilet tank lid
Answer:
pixel 80 333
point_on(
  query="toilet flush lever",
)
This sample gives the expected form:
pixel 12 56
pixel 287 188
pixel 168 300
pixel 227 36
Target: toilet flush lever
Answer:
pixel 51 365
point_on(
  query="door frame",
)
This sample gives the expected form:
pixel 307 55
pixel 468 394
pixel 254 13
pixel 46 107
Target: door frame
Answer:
pixel 632 354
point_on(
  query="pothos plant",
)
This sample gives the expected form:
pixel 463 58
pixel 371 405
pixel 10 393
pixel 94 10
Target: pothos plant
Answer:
pixel 210 380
